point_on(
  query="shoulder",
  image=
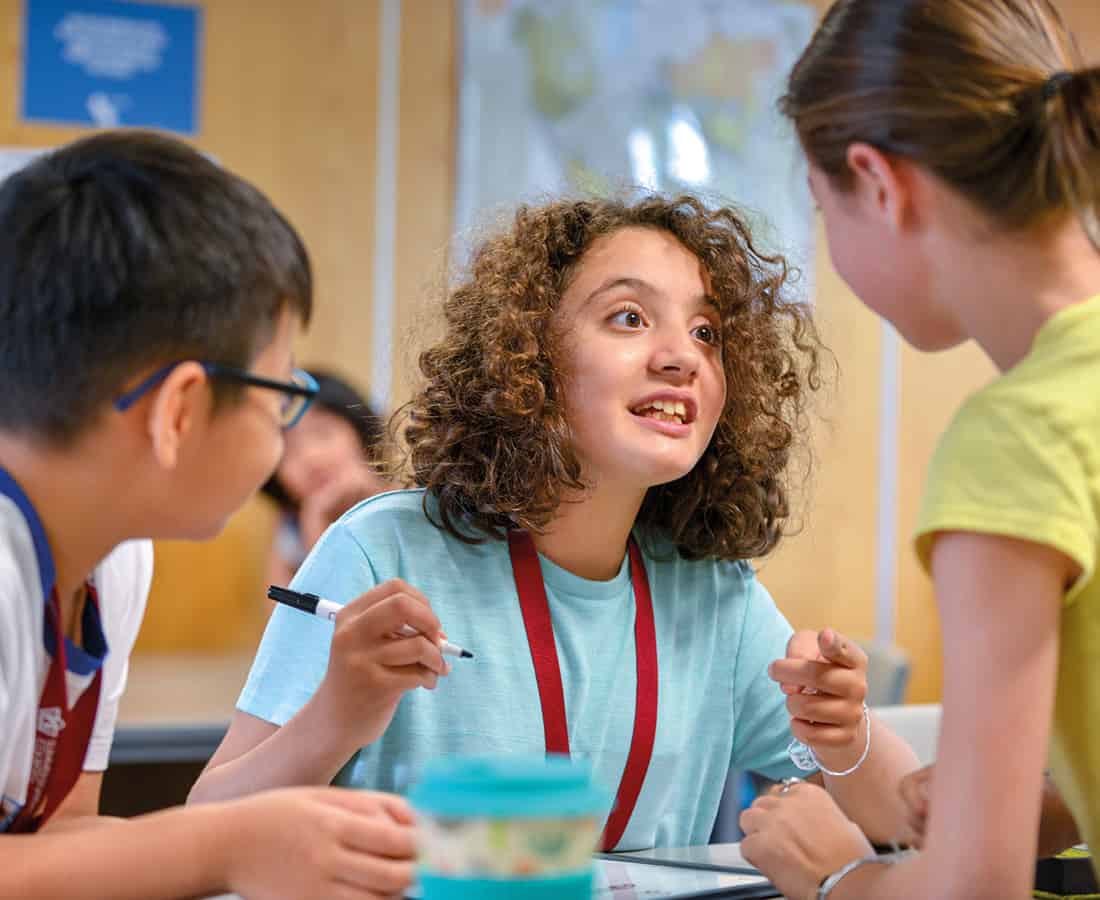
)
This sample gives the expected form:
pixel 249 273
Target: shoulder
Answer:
pixel 1020 457
pixel 376 521
pixel 1055 386
pixel 390 535
pixel 19 558
pixel 20 595
pixel 404 505
pixel 1040 415
pixel 123 580
pixel 410 516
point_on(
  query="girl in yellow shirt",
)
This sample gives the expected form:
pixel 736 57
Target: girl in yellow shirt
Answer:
pixel 954 151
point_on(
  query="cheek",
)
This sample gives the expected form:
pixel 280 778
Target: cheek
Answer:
pixel 713 392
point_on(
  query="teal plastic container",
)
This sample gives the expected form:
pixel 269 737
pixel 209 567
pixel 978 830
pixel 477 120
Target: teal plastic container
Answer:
pixel 508 827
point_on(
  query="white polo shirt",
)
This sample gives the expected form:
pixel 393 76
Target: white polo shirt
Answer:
pixel 26 575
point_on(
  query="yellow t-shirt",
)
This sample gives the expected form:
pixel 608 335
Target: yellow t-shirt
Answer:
pixel 1022 459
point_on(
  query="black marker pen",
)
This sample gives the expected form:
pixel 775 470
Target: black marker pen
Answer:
pixel 327 609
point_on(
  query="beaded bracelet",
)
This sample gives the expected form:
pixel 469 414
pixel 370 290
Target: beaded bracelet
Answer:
pixel 806 760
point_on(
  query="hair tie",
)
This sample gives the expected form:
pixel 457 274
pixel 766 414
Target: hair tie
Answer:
pixel 1054 84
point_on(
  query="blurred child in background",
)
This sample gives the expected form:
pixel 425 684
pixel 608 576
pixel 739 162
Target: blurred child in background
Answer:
pixel 328 466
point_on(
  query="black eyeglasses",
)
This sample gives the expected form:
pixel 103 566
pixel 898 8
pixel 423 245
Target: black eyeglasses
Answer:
pixel 298 393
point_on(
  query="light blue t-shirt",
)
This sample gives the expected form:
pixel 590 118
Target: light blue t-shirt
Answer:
pixel 717 630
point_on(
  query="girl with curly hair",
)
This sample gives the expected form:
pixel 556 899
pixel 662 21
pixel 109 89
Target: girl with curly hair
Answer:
pixel 601 441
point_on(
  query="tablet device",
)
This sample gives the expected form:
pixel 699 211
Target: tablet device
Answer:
pixel 622 878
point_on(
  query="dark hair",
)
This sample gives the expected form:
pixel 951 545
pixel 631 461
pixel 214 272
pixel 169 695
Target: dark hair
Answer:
pixel 989 95
pixel 487 433
pixel 336 396
pixel 126 250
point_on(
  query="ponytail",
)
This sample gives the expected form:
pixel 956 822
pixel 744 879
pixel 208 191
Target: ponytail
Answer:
pixel 1073 157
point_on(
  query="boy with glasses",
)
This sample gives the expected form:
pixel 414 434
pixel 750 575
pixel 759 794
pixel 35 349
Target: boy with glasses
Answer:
pixel 148 303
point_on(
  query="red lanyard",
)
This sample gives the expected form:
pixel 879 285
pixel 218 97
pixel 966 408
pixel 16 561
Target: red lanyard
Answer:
pixel 61 735
pixel 540 636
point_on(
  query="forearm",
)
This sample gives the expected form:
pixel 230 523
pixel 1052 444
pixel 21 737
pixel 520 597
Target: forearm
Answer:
pixel 945 876
pixel 870 796
pixel 172 854
pixel 304 751
pixel 69 824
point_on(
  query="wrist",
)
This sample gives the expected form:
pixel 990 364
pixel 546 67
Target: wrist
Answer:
pixel 217 842
pixel 857 878
pixel 839 758
pixel 333 733
pixel 842 761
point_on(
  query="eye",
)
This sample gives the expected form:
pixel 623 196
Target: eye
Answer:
pixel 628 317
pixel 708 334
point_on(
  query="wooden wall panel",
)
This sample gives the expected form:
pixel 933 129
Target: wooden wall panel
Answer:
pixel 290 99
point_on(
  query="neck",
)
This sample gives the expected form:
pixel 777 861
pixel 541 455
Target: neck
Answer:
pixel 588 534
pixel 1014 283
pixel 79 511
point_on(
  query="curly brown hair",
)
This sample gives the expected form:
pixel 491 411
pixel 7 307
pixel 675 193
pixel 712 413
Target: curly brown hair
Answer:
pixel 487 435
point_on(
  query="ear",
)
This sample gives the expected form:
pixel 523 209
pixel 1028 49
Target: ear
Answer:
pixel 179 404
pixel 880 184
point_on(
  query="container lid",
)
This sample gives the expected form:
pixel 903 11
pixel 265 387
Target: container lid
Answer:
pixel 513 786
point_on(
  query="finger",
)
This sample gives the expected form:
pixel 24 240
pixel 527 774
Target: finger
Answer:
pixel 801 673
pixel 802 645
pixel 818 736
pixel 380 836
pixel 917 823
pixel 367 803
pixel 915 799
pixel 397 808
pixel 402 652
pixel 752 847
pixel 400 679
pixel 820 677
pixel 374 873
pixel 842 651
pixel 388 616
pixel 751 821
pixel 824 709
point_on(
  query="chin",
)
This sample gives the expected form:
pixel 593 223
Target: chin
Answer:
pixel 201 531
pixel 667 472
pixel 934 343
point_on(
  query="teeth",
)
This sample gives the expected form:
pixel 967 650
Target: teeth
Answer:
pixel 664 411
pixel 672 407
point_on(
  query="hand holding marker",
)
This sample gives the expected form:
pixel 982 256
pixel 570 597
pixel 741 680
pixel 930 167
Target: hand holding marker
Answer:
pixel 327 609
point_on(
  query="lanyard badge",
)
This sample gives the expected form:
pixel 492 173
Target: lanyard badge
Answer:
pixel 544 655
pixel 61 734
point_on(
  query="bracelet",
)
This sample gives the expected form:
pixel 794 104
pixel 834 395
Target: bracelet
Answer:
pixel 831 881
pixel 805 758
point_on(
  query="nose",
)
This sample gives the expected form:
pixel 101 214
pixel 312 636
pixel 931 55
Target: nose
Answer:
pixel 676 356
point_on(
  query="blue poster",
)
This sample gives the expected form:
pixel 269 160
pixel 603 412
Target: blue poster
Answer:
pixel 108 63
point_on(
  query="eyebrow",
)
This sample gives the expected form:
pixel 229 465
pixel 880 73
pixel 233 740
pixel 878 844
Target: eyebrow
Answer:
pixel 642 287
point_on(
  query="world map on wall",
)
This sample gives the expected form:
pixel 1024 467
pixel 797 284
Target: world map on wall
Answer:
pixel 568 96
